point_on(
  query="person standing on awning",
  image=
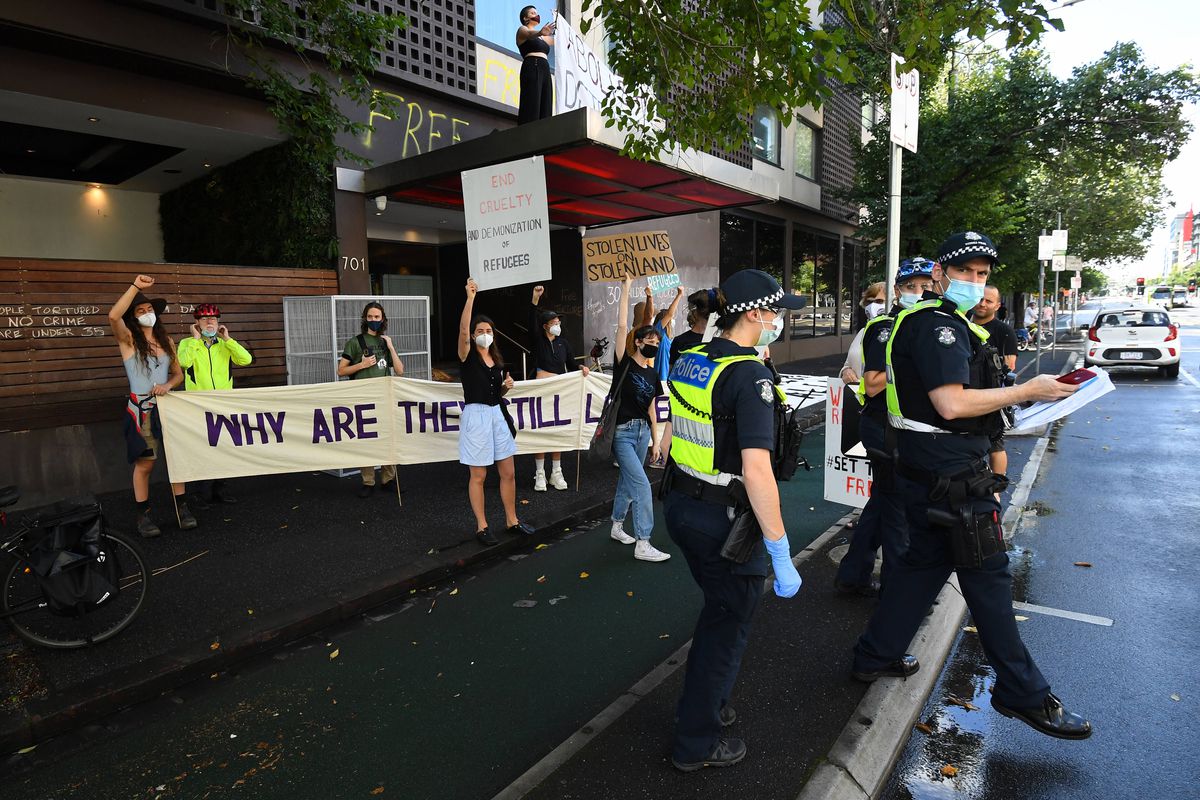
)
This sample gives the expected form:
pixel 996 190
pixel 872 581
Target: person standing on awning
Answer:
pixel 533 43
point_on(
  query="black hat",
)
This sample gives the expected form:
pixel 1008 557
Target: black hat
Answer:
pixel 962 247
pixel 749 289
pixel 159 304
pixel 546 316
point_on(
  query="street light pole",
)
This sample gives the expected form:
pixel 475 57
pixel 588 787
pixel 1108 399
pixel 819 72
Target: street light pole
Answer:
pixel 1037 339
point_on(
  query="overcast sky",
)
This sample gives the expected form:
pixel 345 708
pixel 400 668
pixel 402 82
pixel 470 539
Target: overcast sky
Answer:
pixel 1168 31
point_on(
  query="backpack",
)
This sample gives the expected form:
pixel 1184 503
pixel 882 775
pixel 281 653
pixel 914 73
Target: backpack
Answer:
pixel 71 558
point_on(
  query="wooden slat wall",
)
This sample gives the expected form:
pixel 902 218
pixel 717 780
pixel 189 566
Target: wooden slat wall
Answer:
pixel 64 368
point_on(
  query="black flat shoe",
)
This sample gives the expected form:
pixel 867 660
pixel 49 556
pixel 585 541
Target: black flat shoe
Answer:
pixel 485 538
pixel 902 668
pixel 219 496
pixel 1050 718
pixel 862 590
pixel 520 529
pixel 366 489
pixel 198 502
pixel 727 753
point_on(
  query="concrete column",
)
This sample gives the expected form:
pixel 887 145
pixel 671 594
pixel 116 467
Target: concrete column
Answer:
pixel 350 214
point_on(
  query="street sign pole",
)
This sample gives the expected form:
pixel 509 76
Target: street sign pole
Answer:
pixel 893 240
pixel 1054 317
pixel 906 89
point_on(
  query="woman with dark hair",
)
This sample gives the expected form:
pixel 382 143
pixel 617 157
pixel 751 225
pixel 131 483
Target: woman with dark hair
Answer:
pixel 533 43
pixel 701 303
pixel 486 434
pixel 152 370
pixel 636 382
pixel 371 354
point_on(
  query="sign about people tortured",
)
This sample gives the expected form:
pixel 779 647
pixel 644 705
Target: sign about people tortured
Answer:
pixel 261 431
pixel 508 225
pixel 637 255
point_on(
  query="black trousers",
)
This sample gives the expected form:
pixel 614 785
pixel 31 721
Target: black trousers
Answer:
pixel 731 596
pixel 881 521
pixel 537 102
pixel 915 580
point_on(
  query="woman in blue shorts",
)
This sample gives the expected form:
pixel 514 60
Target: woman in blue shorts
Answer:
pixel 485 433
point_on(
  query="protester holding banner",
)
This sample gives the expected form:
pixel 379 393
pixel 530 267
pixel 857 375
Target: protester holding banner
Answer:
pixel 700 304
pixel 370 354
pixel 153 370
pixel 643 315
pixel 487 435
pixel 533 43
pixel 207 358
pixel 722 503
pixel 551 356
pixel 636 383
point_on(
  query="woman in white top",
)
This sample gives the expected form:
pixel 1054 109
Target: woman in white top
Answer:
pixel 872 304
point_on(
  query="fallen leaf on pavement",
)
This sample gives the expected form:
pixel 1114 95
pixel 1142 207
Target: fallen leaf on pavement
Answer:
pixel 377 790
pixel 949 771
pixel 524 502
pixel 525 604
pixel 583 574
pixel 1083 563
pixel 453 592
pixel 215 646
pixel 214 675
pixel 1174 697
pixel 1019 618
pixel 27 749
pixel 970 629
pixel 541 547
pixel 958 701
pixel 629 594
pixel 250 611
pixel 541 579
pixel 334 654
pixel 665 636
pixel 923 728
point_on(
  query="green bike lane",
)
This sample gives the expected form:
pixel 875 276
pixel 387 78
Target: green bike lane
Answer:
pixel 451 694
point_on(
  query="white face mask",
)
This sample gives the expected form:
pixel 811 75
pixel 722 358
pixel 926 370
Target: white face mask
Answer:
pixel 147 320
pixel 556 330
pixel 770 334
pixel 874 310
pixel 484 340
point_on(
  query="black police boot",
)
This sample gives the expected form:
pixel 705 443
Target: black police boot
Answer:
pixel 901 668
pixel 727 753
pixel 1050 718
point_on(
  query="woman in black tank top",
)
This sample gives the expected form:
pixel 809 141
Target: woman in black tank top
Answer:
pixel 533 43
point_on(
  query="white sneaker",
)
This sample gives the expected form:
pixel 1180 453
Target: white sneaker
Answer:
pixel 645 551
pixel 619 534
pixel 539 481
pixel 557 480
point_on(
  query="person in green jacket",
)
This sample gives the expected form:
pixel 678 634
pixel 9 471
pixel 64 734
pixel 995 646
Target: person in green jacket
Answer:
pixel 371 354
pixel 207 359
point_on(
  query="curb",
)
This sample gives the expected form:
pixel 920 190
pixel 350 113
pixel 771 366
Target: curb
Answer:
pixel 44 718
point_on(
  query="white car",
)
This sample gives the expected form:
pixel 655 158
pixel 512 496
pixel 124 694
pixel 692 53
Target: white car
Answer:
pixel 1161 296
pixel 1141 336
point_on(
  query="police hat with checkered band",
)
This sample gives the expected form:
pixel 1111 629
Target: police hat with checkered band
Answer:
pixel 915 267
pixel 962 247
pixel 749 289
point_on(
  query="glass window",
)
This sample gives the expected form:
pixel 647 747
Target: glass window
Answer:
pixel 766 135
pixel 768 249
pixel 814 275
pixel 854 283
pixel 806 151
pixel 737 244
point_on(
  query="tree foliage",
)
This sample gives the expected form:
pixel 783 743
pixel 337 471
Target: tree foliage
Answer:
pixel 1015 147
pixel 731 56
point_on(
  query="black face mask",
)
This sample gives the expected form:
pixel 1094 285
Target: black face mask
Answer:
pixel 374 325
pixel 649 350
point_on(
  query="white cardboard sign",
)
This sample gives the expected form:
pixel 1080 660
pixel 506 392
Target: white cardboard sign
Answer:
pixel 847 478
pixel 508 225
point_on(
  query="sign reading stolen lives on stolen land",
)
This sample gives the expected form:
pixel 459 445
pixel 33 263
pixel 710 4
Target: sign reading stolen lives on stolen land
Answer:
pixel 508 226
pixel 638 255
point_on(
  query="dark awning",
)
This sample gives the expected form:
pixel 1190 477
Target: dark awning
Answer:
pixel 588 181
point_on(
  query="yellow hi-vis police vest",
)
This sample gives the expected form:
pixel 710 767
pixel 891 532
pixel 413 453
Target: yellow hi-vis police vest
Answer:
pixel 896 418
pixel 693 437
pixel 861 393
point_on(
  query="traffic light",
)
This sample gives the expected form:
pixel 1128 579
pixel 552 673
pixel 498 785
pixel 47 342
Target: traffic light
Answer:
pixel 1141 286
pixel 1141 281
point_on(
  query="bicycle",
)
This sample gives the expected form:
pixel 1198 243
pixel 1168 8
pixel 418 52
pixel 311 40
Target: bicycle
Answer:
pixel 599 348
pixel 73 581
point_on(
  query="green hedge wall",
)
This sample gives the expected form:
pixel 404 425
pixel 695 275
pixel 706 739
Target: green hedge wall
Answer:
pixel 270 208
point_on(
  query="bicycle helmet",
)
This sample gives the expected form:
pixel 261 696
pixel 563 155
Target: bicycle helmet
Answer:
pixel 207 310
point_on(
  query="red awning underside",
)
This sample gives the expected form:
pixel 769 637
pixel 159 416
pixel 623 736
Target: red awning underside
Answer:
pixel 589 184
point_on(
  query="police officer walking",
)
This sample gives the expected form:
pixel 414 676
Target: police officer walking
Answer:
pixel 944 399
pixel 719 491
pixel 882 519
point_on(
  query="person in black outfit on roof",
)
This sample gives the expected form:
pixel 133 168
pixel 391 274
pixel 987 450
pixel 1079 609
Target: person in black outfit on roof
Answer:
pixel 533 43
pixel 551 356
pixel 486 433
pixel 944 398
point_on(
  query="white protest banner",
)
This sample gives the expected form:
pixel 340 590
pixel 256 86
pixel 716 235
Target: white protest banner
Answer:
pixel 230 434
pixel 612 258
pixel 508 226
pixel 581 78
pixel 847 478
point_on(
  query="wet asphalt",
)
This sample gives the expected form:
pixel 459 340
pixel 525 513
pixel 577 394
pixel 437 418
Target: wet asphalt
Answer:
pixel 1118 491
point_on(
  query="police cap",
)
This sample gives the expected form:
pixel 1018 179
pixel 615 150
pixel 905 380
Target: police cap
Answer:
pixel 962 247
pixel 749 289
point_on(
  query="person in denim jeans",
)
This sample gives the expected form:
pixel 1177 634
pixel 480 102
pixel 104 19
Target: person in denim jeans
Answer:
pixel 638 384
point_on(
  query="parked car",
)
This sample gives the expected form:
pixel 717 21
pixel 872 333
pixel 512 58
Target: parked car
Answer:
pixel 1141 336
pixel 1161 296
pixel 1179 297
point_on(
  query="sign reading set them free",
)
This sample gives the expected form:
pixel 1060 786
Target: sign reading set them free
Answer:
pixel 508 225
pixel 636 255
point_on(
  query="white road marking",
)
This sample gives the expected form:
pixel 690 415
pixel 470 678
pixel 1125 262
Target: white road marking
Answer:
pixel 1190 378
pixel 1058 612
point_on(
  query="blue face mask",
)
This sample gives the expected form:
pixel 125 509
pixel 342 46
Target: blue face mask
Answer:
pixel 208 333
pixel 909 300
pixel 964 294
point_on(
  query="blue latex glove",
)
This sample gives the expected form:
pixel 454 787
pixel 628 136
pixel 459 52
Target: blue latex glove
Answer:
pixel 787 580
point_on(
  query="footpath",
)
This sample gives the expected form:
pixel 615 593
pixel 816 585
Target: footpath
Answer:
pixel 301 553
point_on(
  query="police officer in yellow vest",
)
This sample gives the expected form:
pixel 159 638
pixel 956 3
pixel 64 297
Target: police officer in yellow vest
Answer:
pixel 944 399
pixel 722 443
